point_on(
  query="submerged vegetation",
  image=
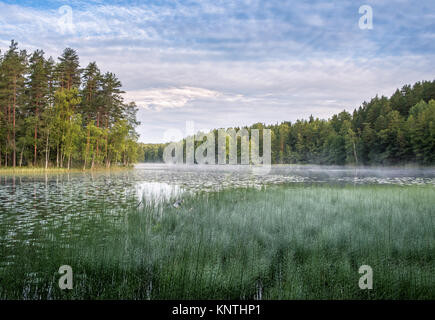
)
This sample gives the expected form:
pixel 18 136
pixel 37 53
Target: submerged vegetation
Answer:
pixel 56 114
pixel 296 241
pixel 388 131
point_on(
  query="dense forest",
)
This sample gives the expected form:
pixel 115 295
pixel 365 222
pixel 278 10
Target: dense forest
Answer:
pixel 57 114
pixel 384 131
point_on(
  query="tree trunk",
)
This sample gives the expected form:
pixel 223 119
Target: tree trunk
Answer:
pixel 107 135
pixel 98 126
pixel 47 150
pixel 36 138
pixel 9 133
pixel 14 152
pixel 354 153
pixel 87 147
pixel 21 156
pixel 57 156
pixel 62 159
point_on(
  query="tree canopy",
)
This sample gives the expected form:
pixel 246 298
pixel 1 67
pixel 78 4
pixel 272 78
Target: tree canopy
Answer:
pixel 383 131
pixel 58 114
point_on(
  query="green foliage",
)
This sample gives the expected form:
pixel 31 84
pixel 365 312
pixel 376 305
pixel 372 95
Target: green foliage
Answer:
pixel 52 116
pixel 151 152
pixel 422 132
pixel 386 131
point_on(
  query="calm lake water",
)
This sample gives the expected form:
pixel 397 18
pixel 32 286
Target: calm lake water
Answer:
pixel 30 205
pixel 28 194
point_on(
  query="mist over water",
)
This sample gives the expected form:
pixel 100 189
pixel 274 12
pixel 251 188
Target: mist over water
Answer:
pixel 217 177
pixel 28 194
pixel 36 199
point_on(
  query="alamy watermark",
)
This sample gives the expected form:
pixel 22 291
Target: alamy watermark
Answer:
pixel 366 20
pixel 65 22
pixel 66 280
pixel 366 280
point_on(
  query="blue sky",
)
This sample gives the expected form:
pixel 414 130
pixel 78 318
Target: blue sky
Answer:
pixel 228 63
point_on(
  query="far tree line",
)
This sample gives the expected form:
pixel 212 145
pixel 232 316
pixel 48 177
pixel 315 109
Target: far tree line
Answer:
pixel 57 114
pixel 384 131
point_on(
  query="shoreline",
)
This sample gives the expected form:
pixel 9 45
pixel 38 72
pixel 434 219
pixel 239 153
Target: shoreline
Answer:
pixel 36 170
pixel 41 170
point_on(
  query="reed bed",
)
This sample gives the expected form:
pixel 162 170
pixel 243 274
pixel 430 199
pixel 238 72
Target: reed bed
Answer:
pixel 282 242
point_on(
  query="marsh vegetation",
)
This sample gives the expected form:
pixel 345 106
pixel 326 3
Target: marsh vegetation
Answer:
pixel 289 240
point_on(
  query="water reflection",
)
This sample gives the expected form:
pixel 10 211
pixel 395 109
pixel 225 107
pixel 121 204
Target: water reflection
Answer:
pixel 157 191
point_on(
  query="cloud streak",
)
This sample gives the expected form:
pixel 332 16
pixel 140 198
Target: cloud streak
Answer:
pixel 163 98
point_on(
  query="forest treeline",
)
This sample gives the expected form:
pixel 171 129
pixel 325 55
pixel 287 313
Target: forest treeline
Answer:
pixel 383 131
pixel 57 114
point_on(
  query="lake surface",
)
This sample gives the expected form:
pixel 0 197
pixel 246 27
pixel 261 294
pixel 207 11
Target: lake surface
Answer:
pixel 32 205
pixel 28 194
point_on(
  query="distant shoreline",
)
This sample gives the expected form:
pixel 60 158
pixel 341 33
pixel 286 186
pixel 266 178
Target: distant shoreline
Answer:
pixel 36 170
pixel 41 170
pixel 302 165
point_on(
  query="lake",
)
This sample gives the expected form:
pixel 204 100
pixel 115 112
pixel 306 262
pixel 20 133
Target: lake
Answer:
pixel 33 200
pixel 29 194
pixel 43 215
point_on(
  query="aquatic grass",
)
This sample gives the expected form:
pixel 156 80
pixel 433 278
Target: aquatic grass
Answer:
pixel 297 241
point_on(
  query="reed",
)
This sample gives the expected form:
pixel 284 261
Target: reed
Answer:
pixel 282 242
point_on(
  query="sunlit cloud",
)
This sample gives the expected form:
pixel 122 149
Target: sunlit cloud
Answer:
pixel 163 98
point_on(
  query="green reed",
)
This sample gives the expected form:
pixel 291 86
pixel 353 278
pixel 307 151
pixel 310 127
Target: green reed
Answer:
pixel 281 242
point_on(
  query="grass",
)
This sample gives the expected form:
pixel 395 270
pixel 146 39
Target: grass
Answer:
pixel 283 242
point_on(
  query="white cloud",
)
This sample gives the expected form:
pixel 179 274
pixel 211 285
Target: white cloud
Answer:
pixel 163 98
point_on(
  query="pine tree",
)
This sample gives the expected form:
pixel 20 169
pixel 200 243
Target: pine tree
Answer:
pixel 38 93
pixel 69 69
pixel 14 67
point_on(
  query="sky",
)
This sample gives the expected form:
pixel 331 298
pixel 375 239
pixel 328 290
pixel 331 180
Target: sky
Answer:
pixel 221 63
